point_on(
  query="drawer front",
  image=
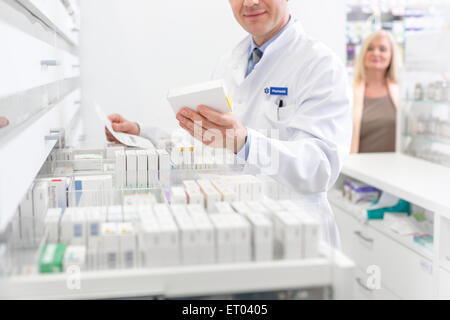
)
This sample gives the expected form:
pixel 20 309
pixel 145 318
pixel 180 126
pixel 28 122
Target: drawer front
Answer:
pixel 363 291
pixel 406 273
pixel 55 13
pixel 444 284
pixel 403 272
pixel 26 62
pixel 70 65
pixel 357 239
pixel 26 151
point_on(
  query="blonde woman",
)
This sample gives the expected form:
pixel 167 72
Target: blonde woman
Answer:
pixel 376 95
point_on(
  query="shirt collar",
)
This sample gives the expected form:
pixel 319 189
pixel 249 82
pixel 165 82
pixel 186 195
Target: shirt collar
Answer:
pixel 271 40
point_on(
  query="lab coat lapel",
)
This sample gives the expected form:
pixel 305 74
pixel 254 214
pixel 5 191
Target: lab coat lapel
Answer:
pixel 276 51
pixel 239 61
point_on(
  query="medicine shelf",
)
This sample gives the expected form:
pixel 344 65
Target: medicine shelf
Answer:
pixel 417 181
pixel 429 138
pixel 332 269
pixel 427 102
pixel 336 198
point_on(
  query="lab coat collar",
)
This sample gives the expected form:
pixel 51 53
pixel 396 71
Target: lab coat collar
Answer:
pixel 239 54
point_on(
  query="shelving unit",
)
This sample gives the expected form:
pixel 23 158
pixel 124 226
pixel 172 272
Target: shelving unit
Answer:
pixel 332 270
pixel 415 180
pixel 40 89
pixel 420 182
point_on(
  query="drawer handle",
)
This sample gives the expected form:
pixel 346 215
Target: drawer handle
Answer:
pixel 49 63
pixel 359 234
pixel 362 285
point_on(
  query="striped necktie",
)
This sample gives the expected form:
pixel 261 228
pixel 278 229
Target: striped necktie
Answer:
pixel 256 57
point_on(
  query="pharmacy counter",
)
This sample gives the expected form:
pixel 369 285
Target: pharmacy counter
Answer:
pixel 423 184
pixel 332 270
pixel 418 181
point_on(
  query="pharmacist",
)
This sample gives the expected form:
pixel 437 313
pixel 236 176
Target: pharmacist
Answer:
pixel 292 115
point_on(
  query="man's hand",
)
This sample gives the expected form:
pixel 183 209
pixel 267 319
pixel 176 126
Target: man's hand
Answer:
pixel 120 124
pixel 212 128
pixel 3 122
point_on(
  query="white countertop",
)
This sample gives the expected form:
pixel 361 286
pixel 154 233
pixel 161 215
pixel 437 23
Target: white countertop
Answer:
pixel 418 181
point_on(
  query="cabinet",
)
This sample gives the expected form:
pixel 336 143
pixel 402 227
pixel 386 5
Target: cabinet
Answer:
pixel 424 114
pixel 405 273
pixel 39 89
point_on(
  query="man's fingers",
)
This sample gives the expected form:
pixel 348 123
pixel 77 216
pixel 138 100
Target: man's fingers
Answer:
pixel 206 124
pixel 121 127
pixel 115 118
pixel 221 119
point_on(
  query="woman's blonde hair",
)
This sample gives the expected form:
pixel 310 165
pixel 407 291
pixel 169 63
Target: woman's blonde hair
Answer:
pixel 393 69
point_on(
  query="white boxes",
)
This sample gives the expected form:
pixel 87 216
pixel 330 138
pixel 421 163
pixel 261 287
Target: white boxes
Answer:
pixel 289 237
pixel 153 168
pixel 95 217
pixel 40 205
pixel 109 250
pixel 91 191
pixel 73 227
pixel 75 256
pixel 310 232
pixel 210 193
pixel 27 217
pixel 256 206
pixel 121 169
pixel 128 252
pixel 57 192
pixel 132 163
pixel 224 238
pixel 52 224
pixel 233 238
pixel 195 196
pixel 151 251
pixel 164 167
pixel 240 207
pixel 205 235
pixel 212 93
pixel 189 240
pixel 88 162
pixel 142 169
pixel 227 192
pixel 310 229
pixel 262 236
pixel 169 240
pixel 111 151
pixel 223 207
pixel 242 238
pixel 178 196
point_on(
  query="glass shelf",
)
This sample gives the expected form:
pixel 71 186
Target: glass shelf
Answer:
pixel 429 138
pixel 427 102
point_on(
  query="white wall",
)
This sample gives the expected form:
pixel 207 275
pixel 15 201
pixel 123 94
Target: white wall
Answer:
pixel 132 51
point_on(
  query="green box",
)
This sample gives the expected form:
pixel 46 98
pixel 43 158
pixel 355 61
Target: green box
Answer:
pixel 51 260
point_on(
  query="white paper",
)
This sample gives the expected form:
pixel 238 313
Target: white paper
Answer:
pixel 124 138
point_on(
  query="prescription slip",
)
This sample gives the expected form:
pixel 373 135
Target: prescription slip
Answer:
pixel 124 138
pixel 212 94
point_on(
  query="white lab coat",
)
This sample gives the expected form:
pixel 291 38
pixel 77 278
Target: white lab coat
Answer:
pixel 315 126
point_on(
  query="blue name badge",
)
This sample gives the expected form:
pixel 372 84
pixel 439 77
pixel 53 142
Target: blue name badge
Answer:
pixel 277 91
